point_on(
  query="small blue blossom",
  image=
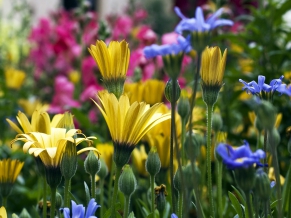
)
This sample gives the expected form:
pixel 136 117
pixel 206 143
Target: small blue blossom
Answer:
pixel 174 215
pixel 183 45
pixel 239 157
pixel 79 210
pixel 275 85
pixel 198 23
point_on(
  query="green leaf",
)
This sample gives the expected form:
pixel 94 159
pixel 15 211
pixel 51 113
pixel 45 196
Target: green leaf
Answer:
pixel 108 212
pixel 241 198
pixel 236 205
pixel 131 215
pixel 87 192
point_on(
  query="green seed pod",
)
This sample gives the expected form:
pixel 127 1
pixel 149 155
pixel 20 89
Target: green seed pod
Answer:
pixel 193 145
pixel 188 173
pixel 169 91
pixel 266 114
pixel 59 201
pixel 273 138
pixel 183 107
pixel 153 162
pixel 92 164
pixel 127 181
pixel 103 172
pixel 217 122
pixel 178 181
pixel 262 187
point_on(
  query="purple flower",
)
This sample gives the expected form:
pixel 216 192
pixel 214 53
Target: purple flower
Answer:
pixel 275 85
pixel 239 157
pixel 79 210
pixel 183 45
pixel 198 23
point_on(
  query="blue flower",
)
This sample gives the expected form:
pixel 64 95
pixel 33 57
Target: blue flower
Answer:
pixel 275 85
pixel 183 45
pixel 198 23
pixel 79 210
pixel 239 157
pixel 174 215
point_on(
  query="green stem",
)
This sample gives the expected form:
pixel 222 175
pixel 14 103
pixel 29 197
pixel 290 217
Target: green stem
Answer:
pixel 196 192
pixel 249 206
pixel 183 133
pixel 180 208
pixel 278 182
pixel 53 202
pixel 115 190
pixel 93 186
pixel 4 202
pixel 208 158
pixel 265 150
pixel 152 183
pixel 126 206
pixel 257 206
pixel 173 112
pixel 67 193
pixel 266 208
pixel 259 140
pixel 219 187
pixel 44 209
pixel 101 197
pixel 111 179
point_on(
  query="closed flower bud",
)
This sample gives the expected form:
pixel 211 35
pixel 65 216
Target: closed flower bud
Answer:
pixel 173 64
pixel 273 138
pixel 170 95
pixel 192 146
pixel 103 172
pixel 262 187
pixel 183 106
pixel 69 162
pixel 161 193
pixel 92 164
pixel 245 178
pixel 216 122
pixel 24 214
pixel 258 125
pixel 266 114
pixel 178 181
pixel 188 174
pixel 127 181
pixel 59 201
pixel 153 162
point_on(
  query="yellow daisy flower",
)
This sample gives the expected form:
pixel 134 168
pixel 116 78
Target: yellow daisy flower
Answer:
pixel 3 213
pixel 127 123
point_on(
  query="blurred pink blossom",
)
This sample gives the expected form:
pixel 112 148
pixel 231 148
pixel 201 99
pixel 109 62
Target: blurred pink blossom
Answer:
pixel 140 15
pixel 90 92
pixel 122 27
pixel 146 35
pixel 63 97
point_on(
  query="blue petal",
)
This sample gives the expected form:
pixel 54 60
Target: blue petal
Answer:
pixel 179 13
pixel 92 207
pixel 66 212
pixel 174 215
pixel 221 22
pixel 213 17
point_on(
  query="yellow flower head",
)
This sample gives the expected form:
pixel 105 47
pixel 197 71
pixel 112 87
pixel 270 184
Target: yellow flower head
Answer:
pixel 106 153
pixel 32 104
pixel 143 91
pixel 112 60
pixel 50 147
pixel 40 122
pixel 127 123
pixel 9 170
pixel 212 66
pixel 14 78
pixel 3 213
pixel 212 71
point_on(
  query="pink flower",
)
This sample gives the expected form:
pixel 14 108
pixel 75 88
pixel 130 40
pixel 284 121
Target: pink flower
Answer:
pixel 122 27
pixel 169 38
pixel 63 97
pixel 146 35
pixel 140 15
pixel 90 92
pixel 88 67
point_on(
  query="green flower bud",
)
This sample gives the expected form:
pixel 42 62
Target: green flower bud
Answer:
pixel 24 214
pixel 103 172
pixel 258 125
pixel 69 162
pixel 183 107
pixel 153 162
pixel 245 178
pixel 178 181
pixel 161 194
pixel 169 91
pixel 59 201
pixel 92 164
pixel 193 145
pixel 53 176
pixel 173 64
pixel 262 187
pixel 273 138
pixel 127 181
pixel 216 122
pixel 188 173
pixel 266 114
